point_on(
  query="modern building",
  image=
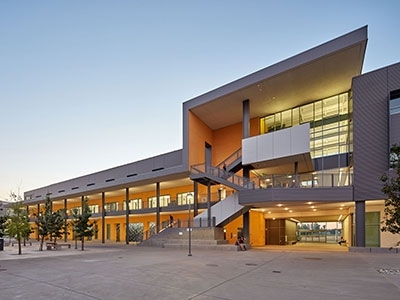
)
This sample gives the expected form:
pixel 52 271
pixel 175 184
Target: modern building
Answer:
pixel 291 153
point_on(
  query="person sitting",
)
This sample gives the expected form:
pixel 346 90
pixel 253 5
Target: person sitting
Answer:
pixel 342 241
pixel 240 243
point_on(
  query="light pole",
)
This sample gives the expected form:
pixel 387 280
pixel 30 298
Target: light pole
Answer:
pixel 189 198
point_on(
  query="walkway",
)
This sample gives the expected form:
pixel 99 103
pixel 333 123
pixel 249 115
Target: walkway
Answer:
pixel 313 247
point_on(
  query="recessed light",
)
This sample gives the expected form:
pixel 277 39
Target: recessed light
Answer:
pixel 263 209
pixel 279 205
pixel 290 210
pixel 309 203
pixel 341 207
pixel 286 208
pixel 314 209
pixel 273 218
pixel 312 206
pixel 269 212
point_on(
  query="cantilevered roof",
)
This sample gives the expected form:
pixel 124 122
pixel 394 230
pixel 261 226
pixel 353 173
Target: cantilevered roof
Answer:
pixel 320 72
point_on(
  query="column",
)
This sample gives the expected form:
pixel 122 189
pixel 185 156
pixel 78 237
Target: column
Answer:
pixel 296 173
pixel 82 201
pixel 158 207
pixel 208 204
pixel 66 223
pixel 195 199
pixel 246 226
pixel 38 211
pixel 127 216
pixel 246 130
pixel 103 215
pixel 360 223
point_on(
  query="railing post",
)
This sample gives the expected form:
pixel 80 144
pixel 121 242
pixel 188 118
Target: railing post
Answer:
pixel 273 181
pixel 333 180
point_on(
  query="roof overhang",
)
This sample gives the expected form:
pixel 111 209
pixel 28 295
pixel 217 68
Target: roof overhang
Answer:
pixel 320 72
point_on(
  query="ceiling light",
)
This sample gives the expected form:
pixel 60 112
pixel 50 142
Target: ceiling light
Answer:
pixel 263 210
pixel 312 206
pixel 280 205
pixel 269 212
pixel 290 211
pixel 314 209
pixel 309 203
pixel 273 218
pixel 341 207
pixel 286 208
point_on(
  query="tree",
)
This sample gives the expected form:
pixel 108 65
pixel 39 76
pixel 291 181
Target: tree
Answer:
pixel 81 224
pixel 44 222
pixel 18 225
pixel 58 226
pixel 391 188
pixel 3 226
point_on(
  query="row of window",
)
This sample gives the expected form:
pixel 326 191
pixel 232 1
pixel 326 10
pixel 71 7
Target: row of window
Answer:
pixel 165 200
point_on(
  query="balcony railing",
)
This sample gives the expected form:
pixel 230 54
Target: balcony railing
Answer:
pixel 305 180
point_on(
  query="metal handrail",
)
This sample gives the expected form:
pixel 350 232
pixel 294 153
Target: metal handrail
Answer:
pixel 225 175
pixel 231 158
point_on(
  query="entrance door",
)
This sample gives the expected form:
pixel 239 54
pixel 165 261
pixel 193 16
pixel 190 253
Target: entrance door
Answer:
pixel 135 232
pixel 118 232
pixel 208 157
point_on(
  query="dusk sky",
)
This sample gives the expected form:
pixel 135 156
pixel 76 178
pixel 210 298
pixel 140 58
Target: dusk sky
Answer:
pixel 89 85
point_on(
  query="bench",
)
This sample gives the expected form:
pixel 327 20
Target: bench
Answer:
pixel 54 246
pixel 22 243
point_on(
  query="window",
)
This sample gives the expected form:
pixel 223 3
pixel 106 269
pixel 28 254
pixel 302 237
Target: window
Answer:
pixel 183 198
pixel 133 204
pixel 164 201
pixel 111 206
pixel 94 208
pixel 76 210
pixel 394 106
pixel 330 124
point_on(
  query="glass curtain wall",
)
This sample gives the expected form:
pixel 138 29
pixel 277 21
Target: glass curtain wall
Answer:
pixel 330 124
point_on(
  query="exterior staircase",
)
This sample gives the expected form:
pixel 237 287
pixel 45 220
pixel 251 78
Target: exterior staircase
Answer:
pixel 208 238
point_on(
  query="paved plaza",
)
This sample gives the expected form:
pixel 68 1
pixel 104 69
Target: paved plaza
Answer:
pixel 129 272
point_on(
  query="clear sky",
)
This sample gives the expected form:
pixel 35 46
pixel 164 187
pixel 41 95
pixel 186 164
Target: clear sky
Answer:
pixel 89 85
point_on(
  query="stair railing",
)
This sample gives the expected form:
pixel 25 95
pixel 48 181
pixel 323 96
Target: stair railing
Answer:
pixel 230 159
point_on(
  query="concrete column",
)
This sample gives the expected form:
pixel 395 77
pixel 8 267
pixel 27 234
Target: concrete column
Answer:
pixel 195 199
pixel 246 227
pixel 246 130
pixel 296 173
pixel 127 216
pixel 246 119
pixel 66 223
pixel 103 215
pixel 360 223
pixel 38 211
pixel 82 201
pixel 208 204
pixel 158 206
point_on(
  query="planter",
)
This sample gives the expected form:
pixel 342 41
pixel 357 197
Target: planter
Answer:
pixel 1 244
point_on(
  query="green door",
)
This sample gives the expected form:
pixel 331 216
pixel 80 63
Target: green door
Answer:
pixel 108 232
pixel 372 229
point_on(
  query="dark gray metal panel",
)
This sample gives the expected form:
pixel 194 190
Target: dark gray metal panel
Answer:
pixel 257 197
pixel 119 177
pixel 370 130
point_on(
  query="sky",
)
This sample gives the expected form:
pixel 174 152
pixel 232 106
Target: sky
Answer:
pixel 90 85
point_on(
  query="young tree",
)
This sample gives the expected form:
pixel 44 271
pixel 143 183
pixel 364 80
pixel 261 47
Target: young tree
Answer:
pixel 18 223
pixel 391 188
pixel 81 225
pixel 44 222
pixel 58 228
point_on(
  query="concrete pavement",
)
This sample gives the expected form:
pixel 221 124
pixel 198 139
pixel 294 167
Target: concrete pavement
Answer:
pixel 152 273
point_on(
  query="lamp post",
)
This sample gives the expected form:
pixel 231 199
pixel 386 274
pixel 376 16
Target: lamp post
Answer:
pixel 189 198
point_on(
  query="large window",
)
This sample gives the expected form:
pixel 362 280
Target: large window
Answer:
pixel 133 204
pixel 330 124
pixel 184 198
pixel 94 208
pixel 111 206
pixel 394 104
pixel 164 201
